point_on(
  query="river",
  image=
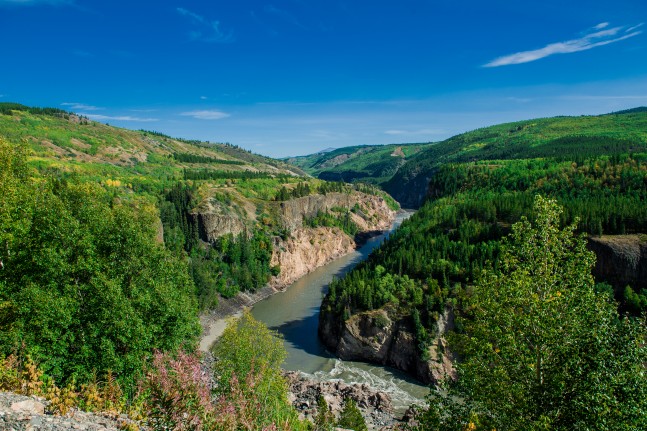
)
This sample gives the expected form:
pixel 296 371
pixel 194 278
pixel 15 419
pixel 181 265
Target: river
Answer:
pixel 295 314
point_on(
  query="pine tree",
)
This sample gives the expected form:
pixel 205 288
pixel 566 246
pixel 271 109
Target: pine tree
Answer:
pixel 351 417
pixel 324 420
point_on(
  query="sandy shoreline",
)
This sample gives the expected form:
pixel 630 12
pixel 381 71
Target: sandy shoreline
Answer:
pixel 214 330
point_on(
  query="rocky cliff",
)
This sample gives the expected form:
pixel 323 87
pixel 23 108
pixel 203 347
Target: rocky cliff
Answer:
pixel 621 260
pixel 386 337
pixel 303 249
pixel 372 212
pixel 304 391
pixel 306 250
pixel 410 185
pixel 215 219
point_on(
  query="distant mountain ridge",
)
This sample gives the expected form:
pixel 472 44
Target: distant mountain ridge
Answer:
pixel 551 138
pixel 407 178
pixel 363 163
pixel 58 137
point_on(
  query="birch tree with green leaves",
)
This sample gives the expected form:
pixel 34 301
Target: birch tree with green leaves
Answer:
pixel 541 349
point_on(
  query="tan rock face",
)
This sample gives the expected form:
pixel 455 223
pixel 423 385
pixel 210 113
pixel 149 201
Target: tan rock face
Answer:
pixel 215 220
pixel 376 336
pixel 621 260
pixel 28 406
pixel 372 211
pixel 307 249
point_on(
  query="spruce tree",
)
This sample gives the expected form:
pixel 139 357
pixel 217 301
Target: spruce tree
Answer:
pixel 351 418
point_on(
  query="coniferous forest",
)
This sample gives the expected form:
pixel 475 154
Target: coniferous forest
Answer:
pixel 441 256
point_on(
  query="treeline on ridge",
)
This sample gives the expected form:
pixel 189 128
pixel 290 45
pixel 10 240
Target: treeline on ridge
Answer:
pixel 7 107
pixel 196 158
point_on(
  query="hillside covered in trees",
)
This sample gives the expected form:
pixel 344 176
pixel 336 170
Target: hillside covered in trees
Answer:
pixel 481 184
pixel 557 138
pixel 374 164
pixel 106 261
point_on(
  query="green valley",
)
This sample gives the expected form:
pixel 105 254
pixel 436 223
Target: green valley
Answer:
pixel 115 241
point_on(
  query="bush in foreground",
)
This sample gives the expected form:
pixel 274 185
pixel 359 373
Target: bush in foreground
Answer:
pixel 541 349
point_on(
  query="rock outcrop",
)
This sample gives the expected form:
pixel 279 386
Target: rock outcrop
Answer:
pixel 304 392
pixel 303 249
pixel 214 219
pixel 386 337
pixel 22 413
pixel 307 249
pixel 621 260
pixel 373 214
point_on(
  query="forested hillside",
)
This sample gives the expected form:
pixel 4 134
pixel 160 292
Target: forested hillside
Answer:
pixel 187 181
pixel 479 185
pixel 558 138
pixel 113 241
pixel 374 164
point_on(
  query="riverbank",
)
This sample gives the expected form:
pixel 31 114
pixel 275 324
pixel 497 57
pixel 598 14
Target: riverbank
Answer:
pixel 382 396
pixel 215 321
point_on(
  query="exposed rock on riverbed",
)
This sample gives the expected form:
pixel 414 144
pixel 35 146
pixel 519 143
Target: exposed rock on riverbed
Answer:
pixel 22 413
pixel 386 337
pixel 375 406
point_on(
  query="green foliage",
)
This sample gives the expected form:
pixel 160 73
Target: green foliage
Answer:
pixel 541 349
pixel 85 287
pixel 301 189
pixel 554 139
pixel 210 174
pixel 196 158
pixel 230 265
pixel 7 108
pixel 367 164
pixel 635 302
pixel 342 220
pixel 249 356
pixel 142 161
pixel 451 238
pixel 324 420
pixel 350 417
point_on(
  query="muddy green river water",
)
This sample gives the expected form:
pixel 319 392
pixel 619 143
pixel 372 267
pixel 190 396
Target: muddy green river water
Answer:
pixel 295 313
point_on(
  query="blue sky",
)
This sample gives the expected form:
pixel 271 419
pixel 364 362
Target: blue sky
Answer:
pixel 291 77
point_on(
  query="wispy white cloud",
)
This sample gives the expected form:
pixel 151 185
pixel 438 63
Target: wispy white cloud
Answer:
pixel 204 29
pixel 35 2
pixel 80 106
pixel 203 97
pixel 144 110
pixel 118 118
pixel 635 27
pixel 616 97
pixel 599 35
pixel 192 15
pixel 206 114
pixel 519 99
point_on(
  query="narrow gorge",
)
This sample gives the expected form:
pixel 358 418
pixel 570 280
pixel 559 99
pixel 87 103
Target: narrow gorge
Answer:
pixel 301 250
